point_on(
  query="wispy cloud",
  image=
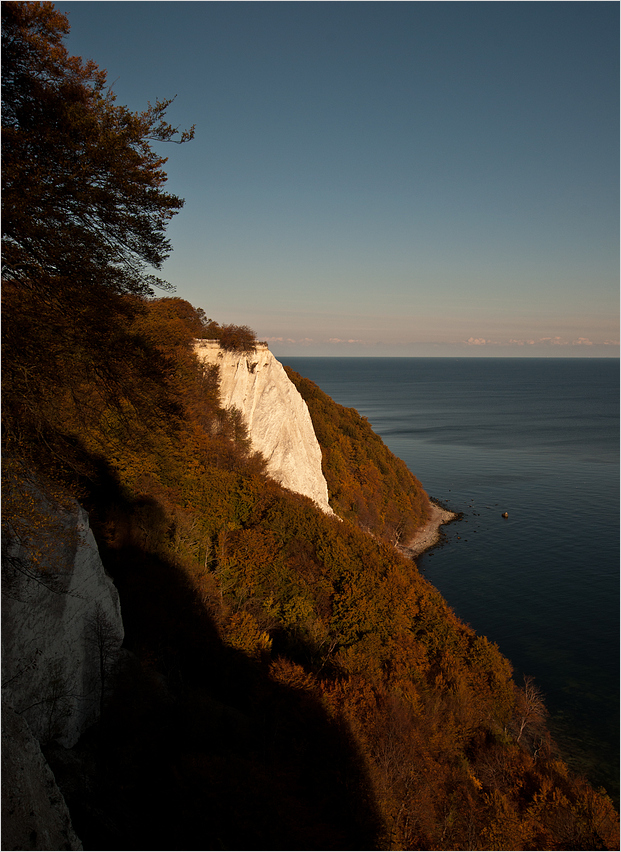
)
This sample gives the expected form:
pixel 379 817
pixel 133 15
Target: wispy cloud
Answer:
pixel 541 341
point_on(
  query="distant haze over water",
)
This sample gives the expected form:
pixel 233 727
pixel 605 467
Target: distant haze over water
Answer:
pixel 539 439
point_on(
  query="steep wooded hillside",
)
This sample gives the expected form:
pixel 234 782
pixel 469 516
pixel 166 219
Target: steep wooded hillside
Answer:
pixel 292 681
pixel 366 482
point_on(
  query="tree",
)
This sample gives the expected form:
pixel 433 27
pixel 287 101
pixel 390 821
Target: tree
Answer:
pixel 106 640
pixel 84 216
pixel 238 338
pixel 530 710
pixel 83 199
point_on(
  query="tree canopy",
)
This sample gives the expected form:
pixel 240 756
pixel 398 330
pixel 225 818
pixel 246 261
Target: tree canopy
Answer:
pixel 237 338
pixel 83 196
pixel 84 212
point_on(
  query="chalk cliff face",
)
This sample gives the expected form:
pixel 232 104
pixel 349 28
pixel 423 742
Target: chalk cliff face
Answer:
pixel 277 418
pixel 61 626
pixel 34 812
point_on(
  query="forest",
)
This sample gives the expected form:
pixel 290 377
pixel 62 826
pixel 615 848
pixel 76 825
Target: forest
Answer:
pixel 288 679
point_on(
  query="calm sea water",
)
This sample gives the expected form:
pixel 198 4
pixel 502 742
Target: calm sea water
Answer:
pixel 539 439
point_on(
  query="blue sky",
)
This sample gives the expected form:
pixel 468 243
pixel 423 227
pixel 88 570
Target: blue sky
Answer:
pixel 402 178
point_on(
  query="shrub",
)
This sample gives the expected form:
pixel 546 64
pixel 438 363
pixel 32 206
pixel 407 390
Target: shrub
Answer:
pixel 238 338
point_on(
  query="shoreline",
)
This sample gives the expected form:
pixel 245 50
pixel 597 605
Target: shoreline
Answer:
pixel 429 535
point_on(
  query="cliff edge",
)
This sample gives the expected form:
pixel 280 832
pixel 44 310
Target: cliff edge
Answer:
pixel 278 421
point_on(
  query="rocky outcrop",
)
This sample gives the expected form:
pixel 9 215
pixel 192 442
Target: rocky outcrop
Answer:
pixel 61 622
pixel 278 421
pixel 61 633
pixel 34 812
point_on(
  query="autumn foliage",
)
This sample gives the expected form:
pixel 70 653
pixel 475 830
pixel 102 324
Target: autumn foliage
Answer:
pixel 83 198
pixel 237 338
pixel 290 680
pixel 366 482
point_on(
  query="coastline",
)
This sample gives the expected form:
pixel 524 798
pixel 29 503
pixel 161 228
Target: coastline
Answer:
pixel 427 536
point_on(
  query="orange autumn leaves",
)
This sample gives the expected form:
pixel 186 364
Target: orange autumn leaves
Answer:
pixel 366 482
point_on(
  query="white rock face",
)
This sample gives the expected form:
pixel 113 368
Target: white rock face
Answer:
pixel 34 812
pixel 277 418
pixel 56 625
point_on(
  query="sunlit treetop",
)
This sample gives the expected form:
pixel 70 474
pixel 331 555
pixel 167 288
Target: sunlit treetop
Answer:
pixel 83 189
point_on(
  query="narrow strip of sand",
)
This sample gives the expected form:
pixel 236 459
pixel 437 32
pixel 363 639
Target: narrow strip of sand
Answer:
pixel 427 536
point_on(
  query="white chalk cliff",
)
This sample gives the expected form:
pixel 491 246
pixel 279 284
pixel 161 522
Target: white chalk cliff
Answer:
pixel 61 633
pixel 34 812
pixel 277 418
pixel 61 622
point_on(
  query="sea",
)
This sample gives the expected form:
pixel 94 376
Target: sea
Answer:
pixel 537 439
